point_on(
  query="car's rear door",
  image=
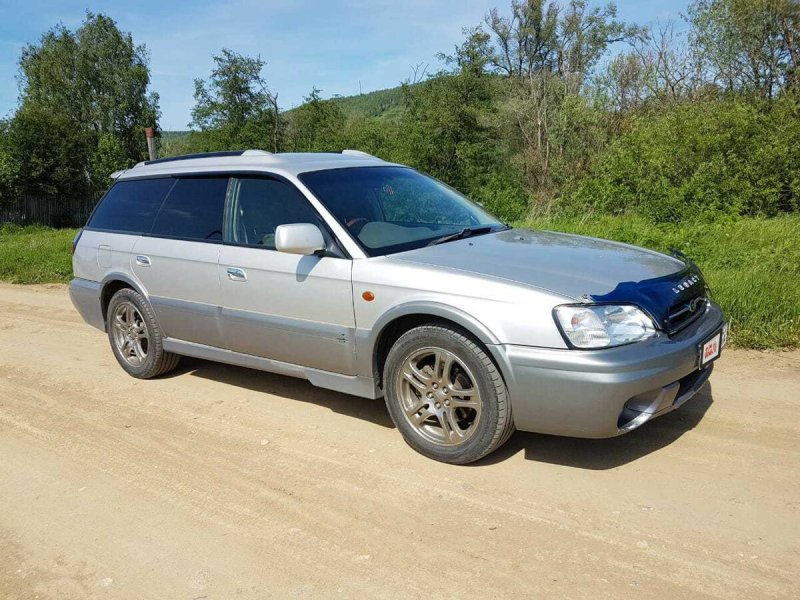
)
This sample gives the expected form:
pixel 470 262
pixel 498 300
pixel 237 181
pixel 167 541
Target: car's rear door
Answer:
pixel 286 307
pixel 125 213
pixel 178 260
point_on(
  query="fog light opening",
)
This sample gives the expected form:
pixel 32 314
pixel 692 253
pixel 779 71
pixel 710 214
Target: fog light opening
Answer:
pixel 630 419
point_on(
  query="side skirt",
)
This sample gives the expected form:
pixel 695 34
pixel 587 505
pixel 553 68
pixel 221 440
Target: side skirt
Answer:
pixel 365 387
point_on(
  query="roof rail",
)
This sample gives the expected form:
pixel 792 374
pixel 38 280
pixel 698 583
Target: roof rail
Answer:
pixel 207 155
pixel 359 153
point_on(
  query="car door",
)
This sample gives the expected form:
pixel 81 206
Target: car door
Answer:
pixel 178 261
pixel 287 307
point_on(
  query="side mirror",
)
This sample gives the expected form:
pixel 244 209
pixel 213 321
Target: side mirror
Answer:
pixel 299 238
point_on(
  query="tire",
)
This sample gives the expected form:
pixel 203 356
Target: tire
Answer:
pixel 425 369
pixel 135 337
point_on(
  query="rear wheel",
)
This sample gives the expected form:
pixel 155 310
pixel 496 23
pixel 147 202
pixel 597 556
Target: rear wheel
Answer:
pixel 135 337
pixel 446 396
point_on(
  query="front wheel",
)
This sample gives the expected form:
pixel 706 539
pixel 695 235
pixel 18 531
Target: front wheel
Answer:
pixel 446 395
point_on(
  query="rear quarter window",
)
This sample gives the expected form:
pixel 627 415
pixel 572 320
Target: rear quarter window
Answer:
pixel 131 206
pixel 193 210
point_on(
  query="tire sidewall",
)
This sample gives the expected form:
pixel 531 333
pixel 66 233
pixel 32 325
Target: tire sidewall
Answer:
pixel 154 337
pixel 464 349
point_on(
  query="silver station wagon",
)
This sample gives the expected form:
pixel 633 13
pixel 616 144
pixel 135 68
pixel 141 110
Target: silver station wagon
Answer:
pixel 372 279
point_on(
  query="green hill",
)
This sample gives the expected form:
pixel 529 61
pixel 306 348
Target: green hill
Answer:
pixel 380 104
pixel 383 104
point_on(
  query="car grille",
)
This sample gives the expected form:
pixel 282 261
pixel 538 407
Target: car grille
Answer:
pixel 685 312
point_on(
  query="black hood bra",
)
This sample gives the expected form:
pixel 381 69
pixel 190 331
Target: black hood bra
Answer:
pixel 673 300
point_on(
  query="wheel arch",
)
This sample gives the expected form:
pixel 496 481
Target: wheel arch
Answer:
pixel 111 284
pixel 397 321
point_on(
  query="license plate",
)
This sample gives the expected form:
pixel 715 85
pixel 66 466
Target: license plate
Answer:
pixel 711 348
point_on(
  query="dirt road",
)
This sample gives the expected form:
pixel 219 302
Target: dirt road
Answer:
pixel 220 483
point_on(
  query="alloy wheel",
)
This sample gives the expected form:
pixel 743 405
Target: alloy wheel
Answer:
pixel 131 337
pixel 439 396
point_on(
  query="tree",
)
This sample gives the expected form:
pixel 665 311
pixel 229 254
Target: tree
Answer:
pixel 97 79
pixel 51 154
pixel 235 109
pixel 317 125
pixel 624 83
pixel 449 130
pixel 751 46
pixel 9 167
pixel 674 71
pixel 584 35
pixel 539 37
pixel 547 53
pixel 525 41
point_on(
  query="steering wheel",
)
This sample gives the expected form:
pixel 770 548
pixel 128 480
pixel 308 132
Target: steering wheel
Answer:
pixel 356 224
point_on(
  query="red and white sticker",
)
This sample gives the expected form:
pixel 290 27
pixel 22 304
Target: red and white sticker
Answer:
pixel 711 349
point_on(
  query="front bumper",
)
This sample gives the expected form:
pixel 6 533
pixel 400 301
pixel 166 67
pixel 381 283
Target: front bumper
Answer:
pixel 604 393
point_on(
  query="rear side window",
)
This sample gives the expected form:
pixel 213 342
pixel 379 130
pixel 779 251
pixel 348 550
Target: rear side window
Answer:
pixel 193 210
pixel 131 206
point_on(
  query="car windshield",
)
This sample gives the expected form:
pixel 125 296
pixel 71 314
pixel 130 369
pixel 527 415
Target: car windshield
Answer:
pixel 393 209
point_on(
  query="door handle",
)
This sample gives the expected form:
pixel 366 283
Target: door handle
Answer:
pixel 236 274
pixel 143 261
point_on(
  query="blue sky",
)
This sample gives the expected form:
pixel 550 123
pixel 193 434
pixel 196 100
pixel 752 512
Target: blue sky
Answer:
pixel 333 45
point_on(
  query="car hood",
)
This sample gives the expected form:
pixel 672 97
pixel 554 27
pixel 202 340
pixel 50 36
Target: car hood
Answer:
pixel 569 265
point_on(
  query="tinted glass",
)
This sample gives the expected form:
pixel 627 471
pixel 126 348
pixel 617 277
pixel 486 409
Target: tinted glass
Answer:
pixel 263 204
pixel 194 209
pixel 131 206
pixel 391 209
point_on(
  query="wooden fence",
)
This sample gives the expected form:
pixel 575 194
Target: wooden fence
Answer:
pixel 53 212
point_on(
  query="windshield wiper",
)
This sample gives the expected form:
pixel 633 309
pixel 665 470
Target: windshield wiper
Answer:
pixel 460 235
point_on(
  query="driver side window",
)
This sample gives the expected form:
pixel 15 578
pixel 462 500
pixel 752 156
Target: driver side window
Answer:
pixel 260 204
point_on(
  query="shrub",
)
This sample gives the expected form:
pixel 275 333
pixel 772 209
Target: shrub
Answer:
pixel 699 160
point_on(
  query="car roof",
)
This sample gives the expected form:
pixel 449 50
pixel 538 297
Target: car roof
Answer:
pixel 285 163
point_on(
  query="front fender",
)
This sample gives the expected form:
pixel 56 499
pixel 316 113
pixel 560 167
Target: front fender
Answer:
pixel 434 309
pixel 367 340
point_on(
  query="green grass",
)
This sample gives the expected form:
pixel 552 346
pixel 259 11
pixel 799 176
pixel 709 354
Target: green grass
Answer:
pixel 752 265
pixel 35 254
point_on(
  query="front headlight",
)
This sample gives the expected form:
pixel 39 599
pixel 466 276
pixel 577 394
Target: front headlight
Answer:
pixel 603 325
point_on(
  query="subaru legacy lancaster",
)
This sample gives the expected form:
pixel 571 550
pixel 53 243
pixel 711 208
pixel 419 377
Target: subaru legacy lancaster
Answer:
pixel 373 279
